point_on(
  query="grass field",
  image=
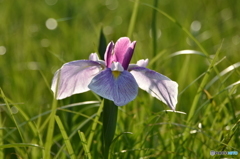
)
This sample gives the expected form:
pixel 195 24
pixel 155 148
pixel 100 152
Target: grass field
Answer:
pixel 195 43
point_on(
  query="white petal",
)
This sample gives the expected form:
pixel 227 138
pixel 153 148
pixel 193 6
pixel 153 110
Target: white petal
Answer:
pixel 93 57
pixel 157 85
pixel 142 63
pixel 116 66
pixel 74 77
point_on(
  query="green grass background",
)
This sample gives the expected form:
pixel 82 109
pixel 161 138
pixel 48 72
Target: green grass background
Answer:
pixel 208 78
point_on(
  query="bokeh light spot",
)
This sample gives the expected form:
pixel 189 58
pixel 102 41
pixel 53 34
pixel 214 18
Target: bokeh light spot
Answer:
pixel 196 26
pixel 14 110
pixel 51 2
pixel 51 24
pixel 33 28
pixel 107 30
pixel 45 42
pixel 2 50
pixel 112 4
pixel 226 14
pixel 236 40
pixel 159 33
pixel 32 65
pixel 118 20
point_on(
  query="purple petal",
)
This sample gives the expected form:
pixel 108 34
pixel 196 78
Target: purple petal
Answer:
pixel 74 77
pixel 121 88
pixel 157 85
pixel 124 51
pixel 108 56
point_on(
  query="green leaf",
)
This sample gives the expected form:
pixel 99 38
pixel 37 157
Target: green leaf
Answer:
pixel 20 145
pixel 84 143
pixel 102 44
pixel 65 137
pixel 90 138
pixel 110 111
pixel 133 19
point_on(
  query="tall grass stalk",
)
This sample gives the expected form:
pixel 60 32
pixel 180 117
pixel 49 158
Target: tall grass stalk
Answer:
pixel 65 138
pixel 94 125
pixel 133 19
pixel 202 86
pixel 85 145
pixel 51 125
pixel 14 120
pixel 187 51
pixel 178 24
pixel 154 28
pixel 1 134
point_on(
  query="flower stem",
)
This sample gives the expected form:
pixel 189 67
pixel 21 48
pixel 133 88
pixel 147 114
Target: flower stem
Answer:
pixel 110 111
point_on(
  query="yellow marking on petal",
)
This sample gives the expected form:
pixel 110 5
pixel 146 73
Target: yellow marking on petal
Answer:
pixel 116 74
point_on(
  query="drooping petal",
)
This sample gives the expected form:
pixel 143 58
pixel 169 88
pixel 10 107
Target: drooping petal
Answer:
pixel 74 77
pixel 121 89
pixel 124 50
pixel 157 85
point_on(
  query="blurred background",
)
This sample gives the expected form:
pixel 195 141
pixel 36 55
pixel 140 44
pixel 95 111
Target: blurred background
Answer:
pixel 38 37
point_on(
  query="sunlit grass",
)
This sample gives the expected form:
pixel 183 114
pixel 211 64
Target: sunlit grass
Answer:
pixel 204 61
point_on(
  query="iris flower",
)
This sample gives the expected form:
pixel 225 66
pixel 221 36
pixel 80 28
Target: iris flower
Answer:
pixel 114 79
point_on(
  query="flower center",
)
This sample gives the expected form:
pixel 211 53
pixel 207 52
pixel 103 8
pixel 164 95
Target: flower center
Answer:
pixel 116 74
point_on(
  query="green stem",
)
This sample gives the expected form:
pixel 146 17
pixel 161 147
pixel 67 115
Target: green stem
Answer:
pixel 110 111
pixel 154 28
pixel 133 19
pixel 50 131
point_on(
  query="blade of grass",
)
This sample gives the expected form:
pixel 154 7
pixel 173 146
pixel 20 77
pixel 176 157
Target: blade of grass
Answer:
pixel 178 24
pixel 199 93
pixel 43 126
pixel 225 71
pixel 65 138
pixel 45 80
pixel 1 134
pixel 25 116
pixel 231 89
pixel 84 143
pixel 13 118
pixel 154 30
pixel 133 19
pixel 39 137
pixel 50 130
pixel 19 145
pixel 81 114
pixel 51 124
pixel 96 121
pixel 201 87
pixel 229 136
pixel 187 52
pixel 156 58
pixel 74 132
pixel 11 114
